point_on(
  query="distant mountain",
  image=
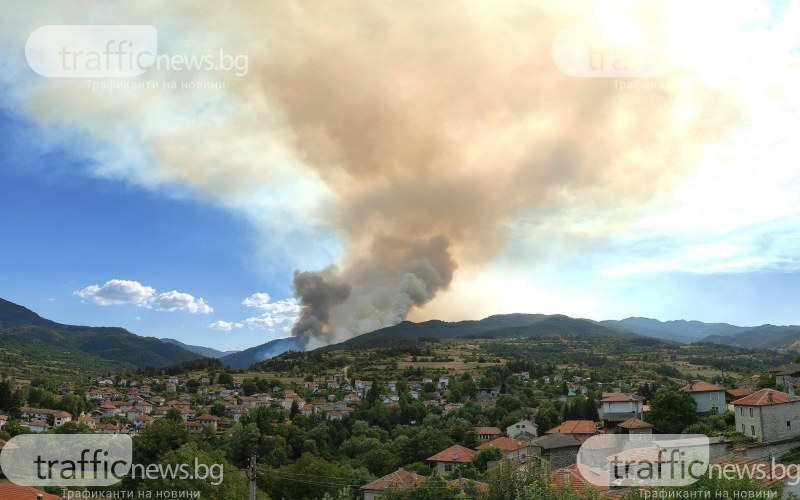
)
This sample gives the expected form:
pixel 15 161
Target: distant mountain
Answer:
pixel 764 336
pixel 198 349
pixel 500 326
pixel 25 335
pixel 677 330
pixel 244 359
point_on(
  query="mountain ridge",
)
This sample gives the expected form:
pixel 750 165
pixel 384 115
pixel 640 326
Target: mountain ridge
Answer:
pixel 114 345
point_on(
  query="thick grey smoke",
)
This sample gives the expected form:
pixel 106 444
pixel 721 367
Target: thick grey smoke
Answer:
pixel 393 278
pixel 318 292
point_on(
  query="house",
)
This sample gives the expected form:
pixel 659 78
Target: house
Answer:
pixel 511 448
pixel 194 427
pixel 709 397
pixel 392 385
pixel 580 429
pixel 732 395
pixel 13 491
pixel 89 421
pixel 59 417
pixel 518 428
pixel 571 479
pixel 107 409
pixel 443 382
pixel 786 375
pixel 142 421
pixel 487 433
pixel 619 406
pixel 768 415
pixel 635 426
pixel 3 420
pixel 446 460
pixel 37 426
pixel 206 419
pixel 397 479
pixel 560 450
pixel 107 429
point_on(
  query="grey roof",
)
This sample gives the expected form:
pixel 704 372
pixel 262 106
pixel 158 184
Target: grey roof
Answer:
pixel 551 441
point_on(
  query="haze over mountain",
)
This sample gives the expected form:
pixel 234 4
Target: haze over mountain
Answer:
pixel 203 351
pixel 678 330
pixel 26 335
pixel 243 359
pixel 764 336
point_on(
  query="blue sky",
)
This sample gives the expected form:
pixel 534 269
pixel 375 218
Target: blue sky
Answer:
pixel 65 229
pixel 179 212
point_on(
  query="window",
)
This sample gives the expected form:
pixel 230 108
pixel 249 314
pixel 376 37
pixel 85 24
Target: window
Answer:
pixel 742 428
pixel 751 413
pixel 788 424
pixel 741 411
pixel 448 467
pixel 753 430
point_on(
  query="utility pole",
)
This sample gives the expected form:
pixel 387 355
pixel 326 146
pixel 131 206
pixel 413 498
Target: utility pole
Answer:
pixel 251 474
pixel 460 486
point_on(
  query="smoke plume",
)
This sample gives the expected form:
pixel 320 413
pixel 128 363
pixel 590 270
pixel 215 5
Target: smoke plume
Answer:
pixel 429 130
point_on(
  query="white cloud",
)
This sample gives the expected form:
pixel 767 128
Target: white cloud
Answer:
pixel 118 292
pixel 225 326
pixel 121 292
pixel 275 313
pixel 179 301
pixel 257 300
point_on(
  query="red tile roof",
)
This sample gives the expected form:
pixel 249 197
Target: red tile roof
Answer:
pixel 487 430
pixel 572 477
pixel 11 491
pixel 574 427
pixel 764 397
pixel 398 478
pixel 620 397
pixel 503 444
pixel 701 386
pixel 739 393
pixel 634 423
pixel 455 453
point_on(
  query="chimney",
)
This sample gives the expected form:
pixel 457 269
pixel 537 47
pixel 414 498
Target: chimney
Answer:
pixel 39 496
pixel 455 457
pixel 565 479
pixel 769 396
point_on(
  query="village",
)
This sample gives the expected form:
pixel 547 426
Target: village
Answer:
pixel 759 424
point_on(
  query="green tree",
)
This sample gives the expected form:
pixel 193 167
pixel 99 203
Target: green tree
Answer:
pixel 671 411
pixel 219 480
pixel 174 415
pixel 160 437
pixel 308 478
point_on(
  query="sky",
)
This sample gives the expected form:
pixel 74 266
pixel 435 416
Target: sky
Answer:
pixel 377 162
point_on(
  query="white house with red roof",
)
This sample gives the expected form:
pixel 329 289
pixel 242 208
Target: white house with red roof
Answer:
pixel 620 406
pixel 709 397
pixel 207 419
pixel 446 460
